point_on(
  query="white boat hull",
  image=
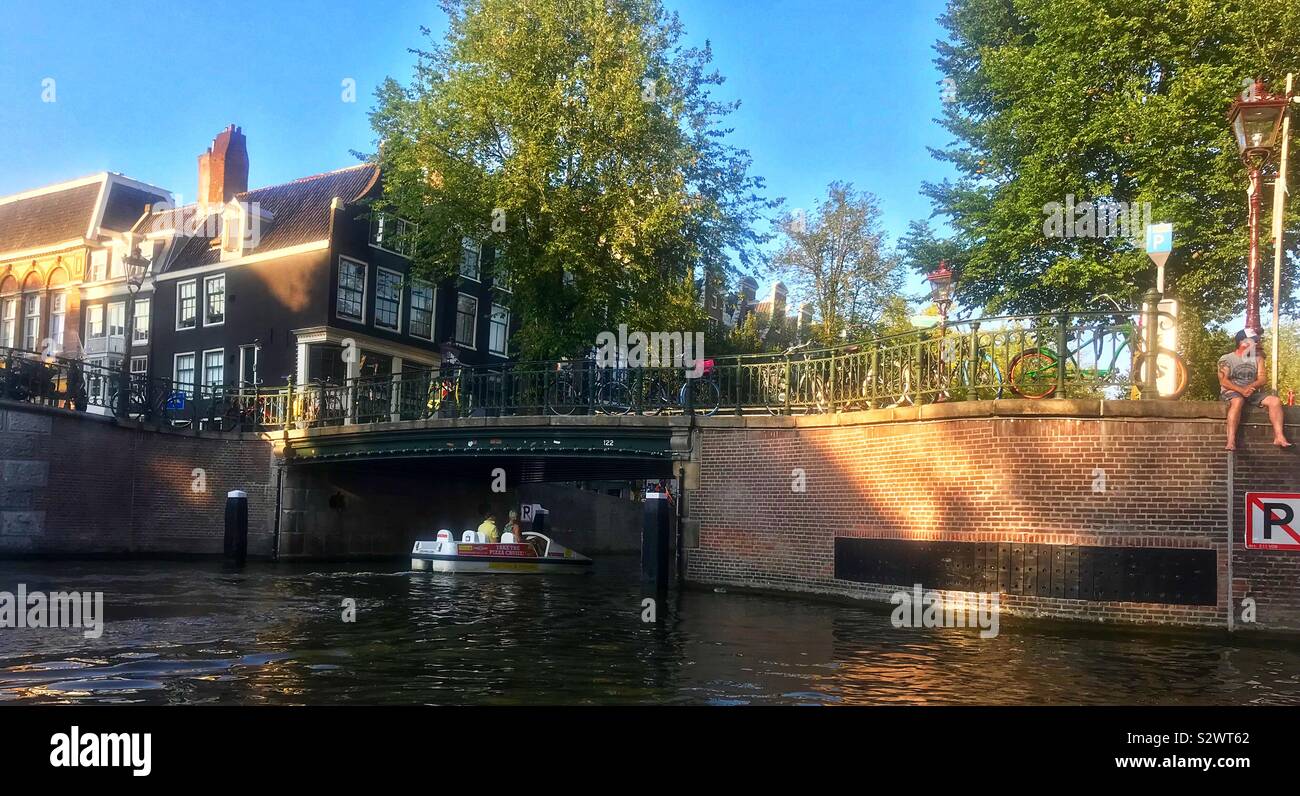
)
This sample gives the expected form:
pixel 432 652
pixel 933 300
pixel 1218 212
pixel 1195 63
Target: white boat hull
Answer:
pixel 445 555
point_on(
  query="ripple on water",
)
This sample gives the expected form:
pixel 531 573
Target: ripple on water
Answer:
pixel 186 632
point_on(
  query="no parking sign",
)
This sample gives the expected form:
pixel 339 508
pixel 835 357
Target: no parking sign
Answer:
pixel 1271 520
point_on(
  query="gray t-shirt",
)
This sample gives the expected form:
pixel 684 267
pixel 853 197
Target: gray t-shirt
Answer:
pixel 1242 371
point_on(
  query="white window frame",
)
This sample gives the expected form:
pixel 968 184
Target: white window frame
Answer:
pixel 142 359
pixel 365 278
pixel 93 274
pixel 93 310
pixel 472 345
pixel 135 321
pixel 433 308
pixel 478 260
pixel 497 282
pixel 204 315
pixel 108 318
pixel 179 304
pixel 176 374
pixel 394 226
pixel 61 314
pixel 27 317
pixel 201 374
pixel 9 336
pixel 401 279
pixel 505 338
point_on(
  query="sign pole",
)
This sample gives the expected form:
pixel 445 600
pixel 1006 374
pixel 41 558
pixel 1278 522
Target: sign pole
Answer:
pixel 1279 210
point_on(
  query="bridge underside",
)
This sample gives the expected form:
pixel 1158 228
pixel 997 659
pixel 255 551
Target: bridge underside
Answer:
pixel 527 454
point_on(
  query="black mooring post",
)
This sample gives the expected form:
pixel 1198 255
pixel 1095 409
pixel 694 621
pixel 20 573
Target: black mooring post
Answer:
pixel 655 542
pixel 236 548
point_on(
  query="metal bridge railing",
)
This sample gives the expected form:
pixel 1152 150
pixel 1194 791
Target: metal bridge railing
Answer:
pixel 1064 355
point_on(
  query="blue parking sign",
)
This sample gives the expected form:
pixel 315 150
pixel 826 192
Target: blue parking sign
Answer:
pixel 1160 238
pixel 176 400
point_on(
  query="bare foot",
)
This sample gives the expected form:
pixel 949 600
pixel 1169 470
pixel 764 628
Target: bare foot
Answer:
pixel 1282 443
pixel 1230 447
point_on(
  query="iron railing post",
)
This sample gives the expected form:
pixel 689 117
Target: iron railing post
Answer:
pixel 830 387
pixel 789 386
pixel 974 387
pixel 1061 353
pixel 874 374
pixel 917 372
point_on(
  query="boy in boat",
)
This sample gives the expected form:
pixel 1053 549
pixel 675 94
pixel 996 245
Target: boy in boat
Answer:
pixel 489 529
pixel 1241 382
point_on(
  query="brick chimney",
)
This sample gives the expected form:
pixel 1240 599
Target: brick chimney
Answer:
pixel 223 169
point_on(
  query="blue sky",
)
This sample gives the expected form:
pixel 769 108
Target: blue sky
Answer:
pixel 841 89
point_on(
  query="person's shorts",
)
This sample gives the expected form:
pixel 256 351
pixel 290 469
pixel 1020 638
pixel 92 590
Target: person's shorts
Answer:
pixel 1253 400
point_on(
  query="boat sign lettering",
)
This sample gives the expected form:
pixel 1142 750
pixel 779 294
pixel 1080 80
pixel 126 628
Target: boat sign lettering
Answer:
pixel 513 550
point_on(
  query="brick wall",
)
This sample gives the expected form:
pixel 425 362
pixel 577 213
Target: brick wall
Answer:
pixel 1006 471
pixel 77 484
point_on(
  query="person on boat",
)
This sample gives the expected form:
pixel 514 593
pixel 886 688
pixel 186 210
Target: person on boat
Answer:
pixel 1241 381
pixel 489 529
pixel 513 525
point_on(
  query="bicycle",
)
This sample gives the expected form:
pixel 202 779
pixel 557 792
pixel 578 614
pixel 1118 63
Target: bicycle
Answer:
pixel 563 395
pixel 1035 372
pixel 703 392
pixel 775 383
pixel 445 394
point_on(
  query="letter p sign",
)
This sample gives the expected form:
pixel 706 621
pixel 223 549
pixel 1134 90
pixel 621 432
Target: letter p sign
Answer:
pixel 1271 521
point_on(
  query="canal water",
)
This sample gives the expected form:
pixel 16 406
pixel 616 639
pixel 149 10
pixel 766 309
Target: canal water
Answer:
pixel 192 633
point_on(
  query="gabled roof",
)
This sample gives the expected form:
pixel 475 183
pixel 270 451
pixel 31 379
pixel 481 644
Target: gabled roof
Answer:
pixel 72 210
pixel 300 213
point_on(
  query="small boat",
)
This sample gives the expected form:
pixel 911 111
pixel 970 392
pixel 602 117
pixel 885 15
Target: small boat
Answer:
pixel 537 553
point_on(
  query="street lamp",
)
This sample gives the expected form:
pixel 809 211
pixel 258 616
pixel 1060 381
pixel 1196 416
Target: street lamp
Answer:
pixel 941 287
pixel 1256 120
pixel 136 267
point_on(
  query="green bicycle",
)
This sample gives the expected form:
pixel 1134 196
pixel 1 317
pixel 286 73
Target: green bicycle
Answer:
pixel 1036 372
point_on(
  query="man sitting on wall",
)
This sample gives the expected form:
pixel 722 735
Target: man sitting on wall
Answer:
pixel 1241 379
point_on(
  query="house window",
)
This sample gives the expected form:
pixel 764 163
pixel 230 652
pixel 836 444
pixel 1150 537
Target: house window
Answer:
pixel 183 372
pixel 117 319
pixel 500 276
pixel 469 258
pixel 466 320
pixel 393 234
pixel 352 290
pixel 187 305
pixel 140 322
pixel 8 322
pixel 58 314
pixel 98 265
pixel 388 299
pixel 139 365
pixel 422 310
pixel 214 369
pixel 499 331
pixel 95 321
pixel 31 321
pixel 214 301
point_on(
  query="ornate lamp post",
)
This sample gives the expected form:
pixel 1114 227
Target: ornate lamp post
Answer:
pixel 137 267
pixel 1256 120
pixel 941 287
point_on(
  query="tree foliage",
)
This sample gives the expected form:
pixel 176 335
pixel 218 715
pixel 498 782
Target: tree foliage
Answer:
pixel 580 139
pixel 1110 101
pixel 835 258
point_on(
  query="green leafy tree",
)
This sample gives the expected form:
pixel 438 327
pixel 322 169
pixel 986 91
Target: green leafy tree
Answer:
pixel 1114 101
pixel 834 258
pixel 580 139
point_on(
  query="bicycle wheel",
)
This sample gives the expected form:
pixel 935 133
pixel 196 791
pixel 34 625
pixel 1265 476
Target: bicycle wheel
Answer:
pixel 560 398
pixel 1033 373
pixel 614 398
pixel 231 416
pixel 658 398
pixel 705 395
pixel 986 383
pixel 1167 362
pixel 774 395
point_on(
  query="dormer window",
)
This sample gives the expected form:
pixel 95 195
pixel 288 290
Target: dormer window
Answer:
pixel 242 225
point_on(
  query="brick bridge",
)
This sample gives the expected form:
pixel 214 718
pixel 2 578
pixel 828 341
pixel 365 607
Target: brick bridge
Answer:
pixel 1119 511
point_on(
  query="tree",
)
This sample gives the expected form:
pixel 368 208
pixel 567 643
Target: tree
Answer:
pixel 1115 106
pixel 579 138
pixel 834 258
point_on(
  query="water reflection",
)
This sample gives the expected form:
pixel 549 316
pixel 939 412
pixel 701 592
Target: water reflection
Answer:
pixel 190 633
